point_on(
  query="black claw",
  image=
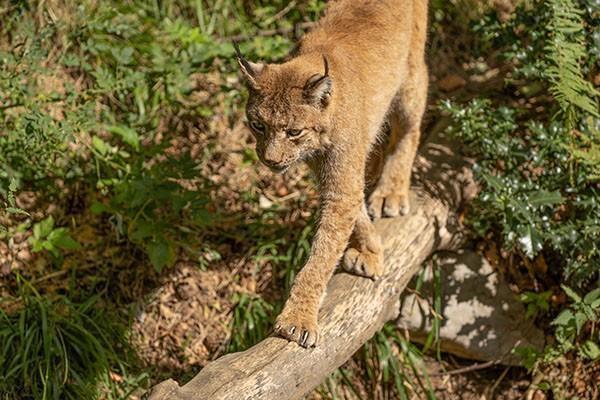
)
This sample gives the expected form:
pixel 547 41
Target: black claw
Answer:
pixel 292 330
pixel 303 338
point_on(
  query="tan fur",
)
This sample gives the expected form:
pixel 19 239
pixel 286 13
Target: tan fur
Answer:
pixel 374 51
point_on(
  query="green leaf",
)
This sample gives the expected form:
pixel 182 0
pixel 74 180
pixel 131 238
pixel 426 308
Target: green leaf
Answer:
pixel 528 356
pixel 17 211
pixel 580 320
pixel 544 197
pixel 571 293
pixel 592 296
pixel 60 238
pixel 46 245
pixel 493 182
pixel 99 208
pixel 590 350
pixel 161 253
pixel 564 318
pixel 530 240
pixel 36 246
pixel 126 133
pixel 43 228
pixel 12 186
pixel 142 230
pixel 100 145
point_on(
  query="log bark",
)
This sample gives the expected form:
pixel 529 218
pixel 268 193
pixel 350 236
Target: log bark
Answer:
pixel 354 308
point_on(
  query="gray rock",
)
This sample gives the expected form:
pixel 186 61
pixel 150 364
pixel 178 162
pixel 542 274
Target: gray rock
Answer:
pixel 482 318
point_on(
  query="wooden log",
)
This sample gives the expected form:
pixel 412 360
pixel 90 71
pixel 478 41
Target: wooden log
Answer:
pixel 354 308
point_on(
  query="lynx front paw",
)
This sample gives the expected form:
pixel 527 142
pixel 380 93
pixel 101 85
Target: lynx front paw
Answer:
pixel 365 263
pixel 388 203
pixel 297 328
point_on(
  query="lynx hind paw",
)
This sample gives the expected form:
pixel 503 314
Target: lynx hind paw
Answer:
pixel 388 204
pixel 367 264
pixel 303 331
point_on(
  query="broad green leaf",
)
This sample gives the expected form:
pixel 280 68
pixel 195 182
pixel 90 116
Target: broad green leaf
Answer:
pixel 592 296
pixel 142 230
pixel 126 133
pixel 60 238
pixel 161 253
pixel 46 245
pixel 564 318
pixel 36 246
pixel 43 228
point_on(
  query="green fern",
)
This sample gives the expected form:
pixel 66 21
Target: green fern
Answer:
pixel 565 51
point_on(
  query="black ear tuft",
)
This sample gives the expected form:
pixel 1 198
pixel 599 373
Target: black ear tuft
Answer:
pixel 250 70
pixel 318 88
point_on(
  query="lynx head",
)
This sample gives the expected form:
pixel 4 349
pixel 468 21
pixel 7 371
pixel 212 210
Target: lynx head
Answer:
pixel 287 109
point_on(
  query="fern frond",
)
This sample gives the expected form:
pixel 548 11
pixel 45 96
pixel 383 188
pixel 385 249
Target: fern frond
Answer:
pixel 565 51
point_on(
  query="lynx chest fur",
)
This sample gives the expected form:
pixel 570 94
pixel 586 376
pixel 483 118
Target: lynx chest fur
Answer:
pixel 361 66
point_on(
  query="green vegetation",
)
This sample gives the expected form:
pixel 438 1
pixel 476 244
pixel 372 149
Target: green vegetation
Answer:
pixel 539 163
pixel 121 154
pixel 58 349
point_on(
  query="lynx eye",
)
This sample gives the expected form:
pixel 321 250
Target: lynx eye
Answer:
pixel 294 132
pixel 257 126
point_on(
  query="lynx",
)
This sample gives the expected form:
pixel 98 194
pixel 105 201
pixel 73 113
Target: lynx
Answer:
pixel 362 65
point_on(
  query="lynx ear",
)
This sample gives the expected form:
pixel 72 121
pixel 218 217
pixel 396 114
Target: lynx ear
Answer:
pixel 249 69
pixel 318 88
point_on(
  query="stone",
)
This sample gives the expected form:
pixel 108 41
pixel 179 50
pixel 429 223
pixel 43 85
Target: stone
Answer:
pixel 482 318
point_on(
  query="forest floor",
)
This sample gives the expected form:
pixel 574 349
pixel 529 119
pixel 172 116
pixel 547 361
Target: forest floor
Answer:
pixel 226 298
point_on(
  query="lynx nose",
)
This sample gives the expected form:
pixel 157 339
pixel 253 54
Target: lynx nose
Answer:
pixel 272 159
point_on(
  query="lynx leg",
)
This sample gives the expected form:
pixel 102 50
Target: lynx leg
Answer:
pixel 364 255
pixel 390 196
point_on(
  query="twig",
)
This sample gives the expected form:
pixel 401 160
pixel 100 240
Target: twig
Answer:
pixel 470 368
pixel 495 385
pixel 281 13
